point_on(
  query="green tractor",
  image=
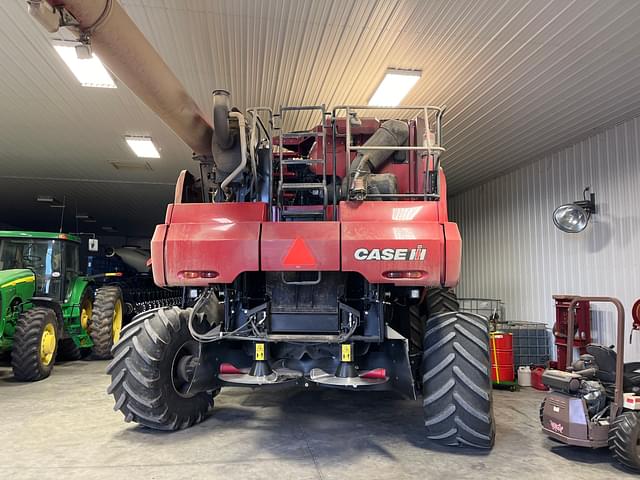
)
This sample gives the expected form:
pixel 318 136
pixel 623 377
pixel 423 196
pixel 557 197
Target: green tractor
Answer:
pixel 48 308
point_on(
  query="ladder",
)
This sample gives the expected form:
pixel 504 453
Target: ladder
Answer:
pixel 307 212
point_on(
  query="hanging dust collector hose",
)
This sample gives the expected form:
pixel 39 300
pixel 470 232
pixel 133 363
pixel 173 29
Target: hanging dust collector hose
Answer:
pixel 243 149
pixel 129 55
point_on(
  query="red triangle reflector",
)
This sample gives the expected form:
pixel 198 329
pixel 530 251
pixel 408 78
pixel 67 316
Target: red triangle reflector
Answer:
pixel 299 255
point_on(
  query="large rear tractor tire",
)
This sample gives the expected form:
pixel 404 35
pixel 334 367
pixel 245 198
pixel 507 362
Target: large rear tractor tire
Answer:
pixel 456 383
pixel 624 438
pixel 106 320
pixel 68 350
pixel 35 344
pixel 151 369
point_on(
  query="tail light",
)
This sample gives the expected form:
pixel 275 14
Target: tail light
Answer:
pixel 192 274
pixel 394 274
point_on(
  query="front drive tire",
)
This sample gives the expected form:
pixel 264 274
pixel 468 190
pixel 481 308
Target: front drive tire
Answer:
pixel 35 344
pixel 624 435
pixel 145 382
pixel 456 380
pixel 106 320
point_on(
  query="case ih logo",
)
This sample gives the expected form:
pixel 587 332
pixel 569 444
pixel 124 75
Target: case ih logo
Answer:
pixel 556 427
pixel 418 253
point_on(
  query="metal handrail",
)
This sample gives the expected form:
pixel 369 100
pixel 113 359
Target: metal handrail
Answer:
pixel 618 398
pixel 431 150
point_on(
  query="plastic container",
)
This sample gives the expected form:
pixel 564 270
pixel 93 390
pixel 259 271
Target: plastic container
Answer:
pixel 536 379
pixel 524 376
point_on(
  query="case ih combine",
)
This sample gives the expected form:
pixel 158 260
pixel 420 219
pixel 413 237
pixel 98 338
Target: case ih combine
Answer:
pixel 325 256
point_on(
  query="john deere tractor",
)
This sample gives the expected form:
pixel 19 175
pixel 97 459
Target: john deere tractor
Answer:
pixel 48 308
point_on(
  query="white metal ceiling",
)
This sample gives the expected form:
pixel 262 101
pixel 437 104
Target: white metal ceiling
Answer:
pixel 519 78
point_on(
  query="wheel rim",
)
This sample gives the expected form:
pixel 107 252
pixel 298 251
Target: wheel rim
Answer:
pixel 47 344
pixel 116 325
pixel 85 313
pixel 187 352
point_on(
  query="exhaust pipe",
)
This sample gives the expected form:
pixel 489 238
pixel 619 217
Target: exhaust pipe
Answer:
pixel 129 55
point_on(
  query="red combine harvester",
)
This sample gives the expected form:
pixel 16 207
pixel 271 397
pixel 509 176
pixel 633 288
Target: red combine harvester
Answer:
pixel 325 256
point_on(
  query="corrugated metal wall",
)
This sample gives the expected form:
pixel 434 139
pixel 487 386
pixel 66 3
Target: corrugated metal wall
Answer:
pixel 512 250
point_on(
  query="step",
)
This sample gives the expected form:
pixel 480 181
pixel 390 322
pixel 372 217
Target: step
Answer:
pixel 302 186
pixel 302 161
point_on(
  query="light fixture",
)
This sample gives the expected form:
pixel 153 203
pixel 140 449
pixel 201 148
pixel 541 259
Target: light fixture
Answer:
pixel 394 87
pixel 87 68
pixel 85 217
pixel 574 217
pixel 53 202
pixel 143 147
pixel 108 228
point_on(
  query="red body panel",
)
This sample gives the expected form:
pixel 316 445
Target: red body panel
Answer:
pixel 383 241
pixel 222 238
pixel 452 255
pixel 292 246
pixel 157 254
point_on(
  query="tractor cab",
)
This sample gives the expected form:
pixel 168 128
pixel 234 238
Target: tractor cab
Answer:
pixel 53 257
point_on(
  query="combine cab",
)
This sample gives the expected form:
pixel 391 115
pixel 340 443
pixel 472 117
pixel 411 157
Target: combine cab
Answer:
pixel 322 248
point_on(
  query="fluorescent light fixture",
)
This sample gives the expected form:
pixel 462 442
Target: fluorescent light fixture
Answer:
pixel 394 87
pixel 90 72
pixel 143 147
pixel 85 217
pixel 46 199
pixel 108 228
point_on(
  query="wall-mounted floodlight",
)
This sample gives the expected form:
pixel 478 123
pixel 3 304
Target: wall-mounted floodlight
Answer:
pixel 574 217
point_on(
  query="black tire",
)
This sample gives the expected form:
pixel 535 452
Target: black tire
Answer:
pixel 102 327
pixel 26 356
pixel 624 438
pixel 441 300
pixel 437 300
pixel 143 380
pixel 456 380
pixel 68 350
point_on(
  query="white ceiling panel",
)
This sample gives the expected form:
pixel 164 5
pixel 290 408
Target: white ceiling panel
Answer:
pixel 519 78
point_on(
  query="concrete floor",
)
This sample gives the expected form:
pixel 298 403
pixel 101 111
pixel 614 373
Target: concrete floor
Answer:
pixel 65 427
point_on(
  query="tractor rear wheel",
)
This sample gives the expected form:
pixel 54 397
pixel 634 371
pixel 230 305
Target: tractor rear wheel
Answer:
pixel 151 369
pixel 68 350
pixel 35 344
pixel 106 320
pixel 456 384
pixel 624 439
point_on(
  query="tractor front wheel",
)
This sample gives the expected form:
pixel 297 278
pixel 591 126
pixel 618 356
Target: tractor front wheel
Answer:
pixel 151 370
pixel 624 439
pixel 456 384
pixel 35 344
pixel 106 320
